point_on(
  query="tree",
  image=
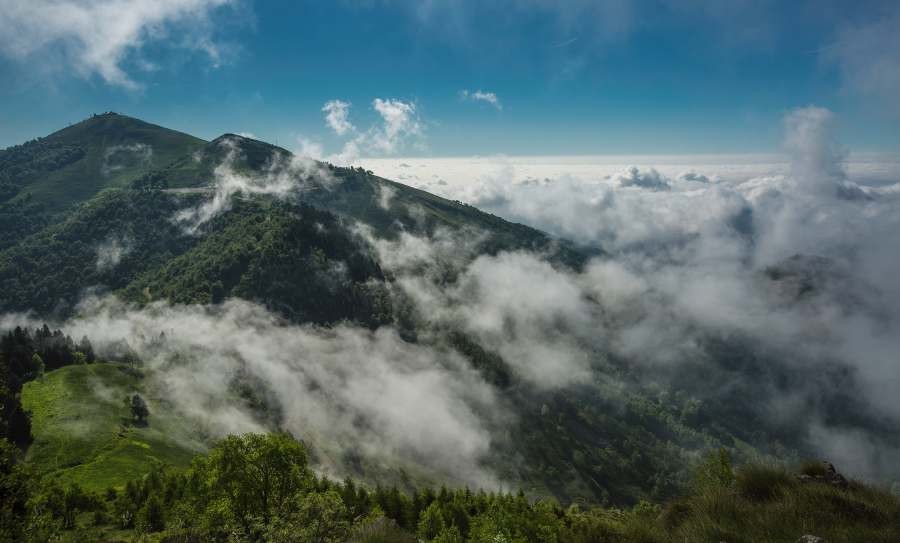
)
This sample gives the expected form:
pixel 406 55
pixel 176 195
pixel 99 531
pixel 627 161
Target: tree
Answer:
pixel 253 475
pixel 139 409
pixel 151 518
pixel 37 365
pixel 316 517
pixel 715 471
pixel 15 490
pixel 85 347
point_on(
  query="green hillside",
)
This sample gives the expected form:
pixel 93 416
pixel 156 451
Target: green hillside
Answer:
pixel 49 271
pixel 116 148
pixel 294 259
pixel 83 431
pixel 44 178
pixel 387 206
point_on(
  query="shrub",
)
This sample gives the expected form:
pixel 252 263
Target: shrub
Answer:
pixel 761 483
pixel 813 468
pixel 715 471
pixel 381 530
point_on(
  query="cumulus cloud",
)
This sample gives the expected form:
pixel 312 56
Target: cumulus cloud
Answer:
pixel 816 157
pixel 696 177
pixel 99 37
pixel 481 96
pixel 336 116
pixel 400 121
pixel 399 127
pixel 633 177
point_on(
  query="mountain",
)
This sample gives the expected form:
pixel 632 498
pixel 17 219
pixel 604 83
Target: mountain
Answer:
pixel 42 179
pixel 157 217
pixel 131 218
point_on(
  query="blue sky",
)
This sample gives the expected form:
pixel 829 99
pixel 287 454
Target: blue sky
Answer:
pixel 576 77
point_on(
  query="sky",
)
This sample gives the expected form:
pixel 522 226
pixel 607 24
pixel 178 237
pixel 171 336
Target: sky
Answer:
pixel 440 78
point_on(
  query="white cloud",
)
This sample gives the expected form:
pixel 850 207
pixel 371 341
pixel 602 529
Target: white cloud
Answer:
pixel 399 127
pixel 684 267
pixel 119 157
pixel 336 116
pixel 97 37
pixel 634 177
pixel 309 148
pixel 348 391
pixel 111 252
pixel 284 175
pixel 400 122
pixel 481 96
pixel 809 139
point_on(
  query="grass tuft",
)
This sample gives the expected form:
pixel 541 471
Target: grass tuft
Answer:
pixel 762 483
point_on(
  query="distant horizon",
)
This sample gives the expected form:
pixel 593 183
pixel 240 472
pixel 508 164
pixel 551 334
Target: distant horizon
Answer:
pixel 758 156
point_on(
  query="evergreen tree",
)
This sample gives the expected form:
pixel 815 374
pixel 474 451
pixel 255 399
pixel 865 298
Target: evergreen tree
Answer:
pixel 139 410
pixel 37 364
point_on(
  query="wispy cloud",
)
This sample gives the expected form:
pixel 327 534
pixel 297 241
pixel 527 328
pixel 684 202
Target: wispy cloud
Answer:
pixel 284 175
pixel 569 41
pixel 867 55
pixel 481 96
pixel 98 37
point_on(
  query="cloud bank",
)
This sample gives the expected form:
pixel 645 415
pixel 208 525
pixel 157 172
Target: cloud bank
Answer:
pixel 796 269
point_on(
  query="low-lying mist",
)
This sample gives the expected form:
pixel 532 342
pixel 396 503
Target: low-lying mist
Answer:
pixel 795 272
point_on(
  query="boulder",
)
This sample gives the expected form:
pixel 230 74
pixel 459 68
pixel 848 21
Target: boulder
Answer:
pixel 829 476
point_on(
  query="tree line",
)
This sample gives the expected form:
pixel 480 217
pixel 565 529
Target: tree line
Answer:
pixel 260 488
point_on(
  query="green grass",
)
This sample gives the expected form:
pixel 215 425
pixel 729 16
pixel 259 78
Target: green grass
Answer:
pixel 767 504
pixel 83 432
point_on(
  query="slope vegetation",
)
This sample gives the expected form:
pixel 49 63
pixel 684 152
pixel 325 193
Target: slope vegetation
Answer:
pixel 44 178
pixel 83 430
